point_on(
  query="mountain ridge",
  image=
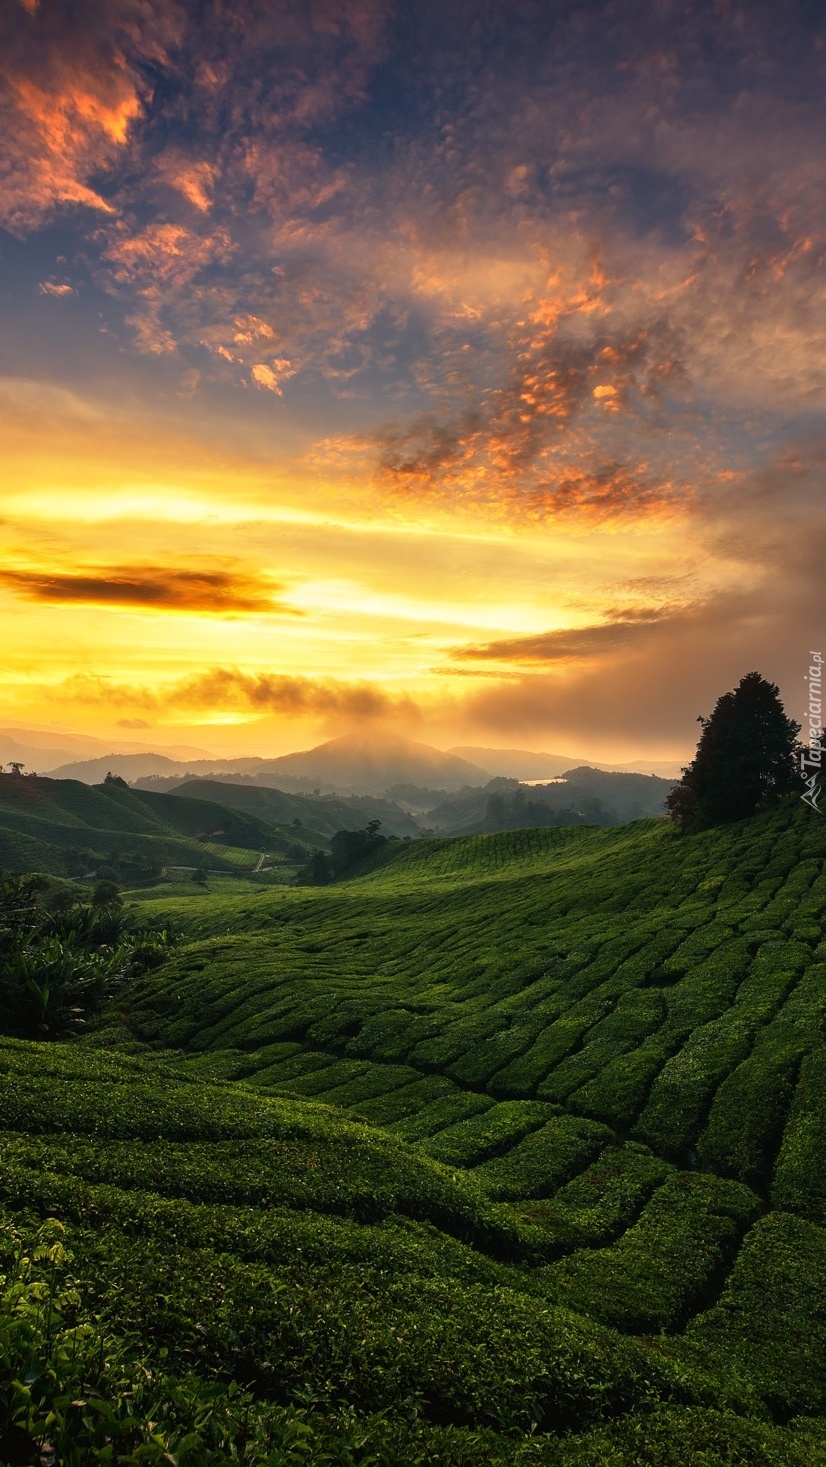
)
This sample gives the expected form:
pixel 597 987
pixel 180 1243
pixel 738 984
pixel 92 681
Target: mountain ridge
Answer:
pixel 354 764
pixel 345 765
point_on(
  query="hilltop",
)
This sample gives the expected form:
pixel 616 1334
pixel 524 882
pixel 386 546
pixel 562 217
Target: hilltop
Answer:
pixel 362 765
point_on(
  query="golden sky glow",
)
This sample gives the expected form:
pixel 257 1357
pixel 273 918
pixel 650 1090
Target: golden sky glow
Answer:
pixel 364 363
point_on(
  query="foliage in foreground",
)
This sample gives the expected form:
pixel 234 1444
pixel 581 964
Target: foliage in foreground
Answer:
pixel 259 1279
pixel 58 963
pixel 75 1389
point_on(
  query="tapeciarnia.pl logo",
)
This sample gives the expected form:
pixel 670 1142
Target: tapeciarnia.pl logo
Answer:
pixel 811 754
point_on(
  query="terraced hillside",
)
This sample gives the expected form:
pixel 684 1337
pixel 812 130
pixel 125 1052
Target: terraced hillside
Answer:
pixel 471 993
pixel 507 1151
pixel 231 1278
pixel 60 826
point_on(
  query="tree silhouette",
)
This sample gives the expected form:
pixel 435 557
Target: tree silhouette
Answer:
pixel 745 760
pixel 348 848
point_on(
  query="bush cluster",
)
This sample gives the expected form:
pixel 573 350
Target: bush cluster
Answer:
pixel 59 961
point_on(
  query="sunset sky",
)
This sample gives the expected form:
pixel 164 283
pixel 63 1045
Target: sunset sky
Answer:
pixel 457 368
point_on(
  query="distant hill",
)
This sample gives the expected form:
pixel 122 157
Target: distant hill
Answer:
pixel 526 764
pixel 50 752
pixel 583 796
pixel 632 795
pixel 669 769
pixel 347 765
pixel 518 763
pixel 16 744
pixel 65 827
pixel 126 766
pixel 324 814
pixel 361 766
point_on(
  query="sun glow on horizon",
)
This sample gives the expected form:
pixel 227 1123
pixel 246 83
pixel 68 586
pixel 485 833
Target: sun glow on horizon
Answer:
pixel 488 431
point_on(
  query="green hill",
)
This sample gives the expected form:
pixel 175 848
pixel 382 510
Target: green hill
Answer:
pixel 66 827
pixel 323 815
pixel 583 797
pixel 507 1151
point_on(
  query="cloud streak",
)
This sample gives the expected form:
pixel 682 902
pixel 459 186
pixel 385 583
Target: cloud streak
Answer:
pixel 574 645
pixel 216 593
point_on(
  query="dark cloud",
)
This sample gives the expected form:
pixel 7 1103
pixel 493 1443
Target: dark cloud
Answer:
pixel 277 693
pixel 229 689
pixel 218 593
pixel 568 646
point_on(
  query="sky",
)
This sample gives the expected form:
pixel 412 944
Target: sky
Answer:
pixel 367 364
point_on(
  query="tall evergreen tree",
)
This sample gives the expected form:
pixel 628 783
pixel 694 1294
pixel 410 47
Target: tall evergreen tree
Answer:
pixel 746 758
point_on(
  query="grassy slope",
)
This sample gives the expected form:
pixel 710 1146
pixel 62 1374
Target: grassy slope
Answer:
pixel 590 1194
pixel 42 819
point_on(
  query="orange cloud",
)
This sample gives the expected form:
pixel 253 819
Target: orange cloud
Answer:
pixel 273 375
pixel 194 179
pixel 164 254
pixel 204 592
pixel 512 478
pixel 72 96
pixel 57 143
pixel 160 266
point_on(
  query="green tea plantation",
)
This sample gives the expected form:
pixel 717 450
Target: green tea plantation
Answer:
pixel 509 1150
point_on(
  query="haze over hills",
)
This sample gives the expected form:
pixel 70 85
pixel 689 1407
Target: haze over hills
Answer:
pixel 126 766
pixel 518 763
pixel 360 765
pixel 46 751
pixel 528 764
pixel 351 765
pixel 585 796
pixel 67 827
pixel 347 765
